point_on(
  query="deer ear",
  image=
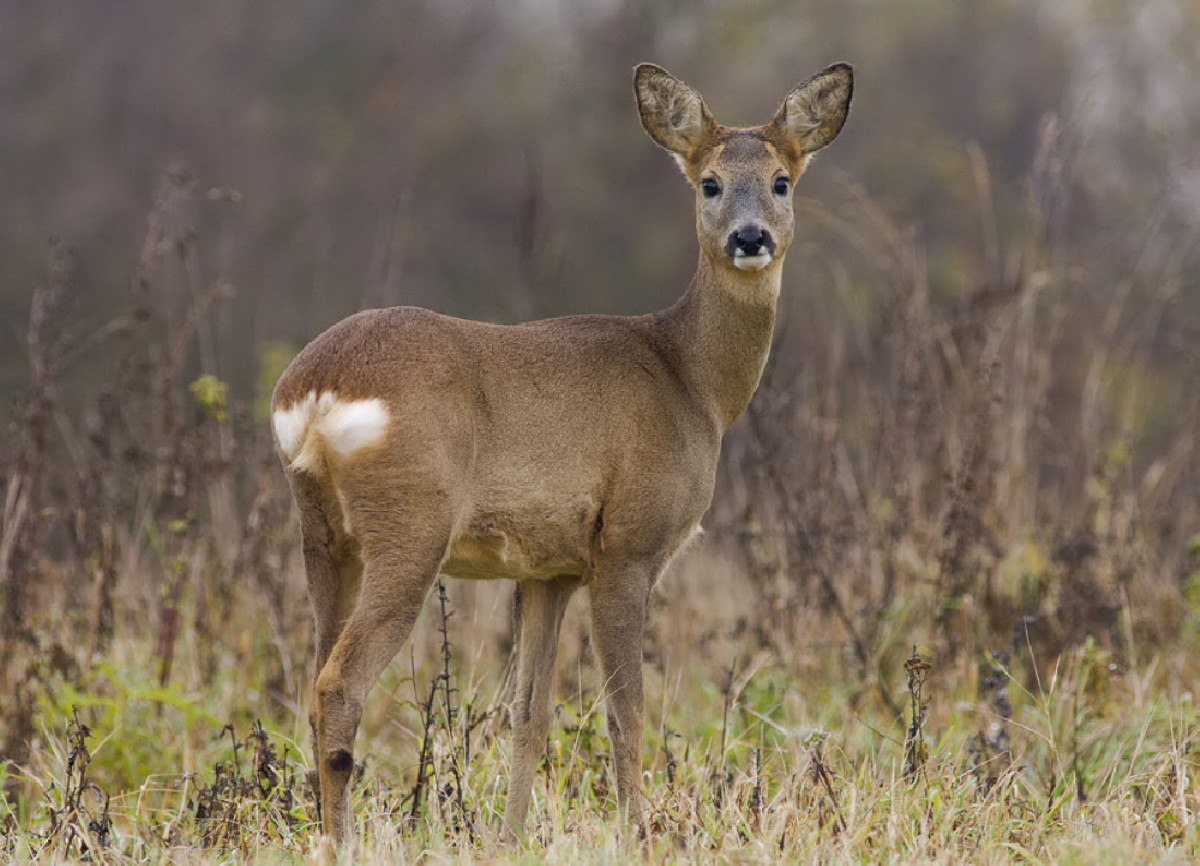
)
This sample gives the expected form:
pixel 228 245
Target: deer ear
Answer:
pixel 674 114
pixel 812 115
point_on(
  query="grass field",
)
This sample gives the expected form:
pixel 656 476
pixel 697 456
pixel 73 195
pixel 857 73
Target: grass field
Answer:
pixel 753 754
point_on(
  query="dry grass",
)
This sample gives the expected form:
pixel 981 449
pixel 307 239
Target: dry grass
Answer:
pixel 749 758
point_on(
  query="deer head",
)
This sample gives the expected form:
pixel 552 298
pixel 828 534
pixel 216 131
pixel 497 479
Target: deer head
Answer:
pixel 743 176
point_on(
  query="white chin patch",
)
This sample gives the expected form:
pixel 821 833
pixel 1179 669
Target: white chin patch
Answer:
pixel 751 263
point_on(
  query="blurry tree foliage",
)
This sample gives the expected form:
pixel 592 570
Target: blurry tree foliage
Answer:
pixel 485 159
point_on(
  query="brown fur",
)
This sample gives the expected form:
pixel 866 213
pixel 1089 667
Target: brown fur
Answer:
pixel 567 452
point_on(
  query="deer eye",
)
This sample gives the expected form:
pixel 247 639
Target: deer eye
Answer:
pixel 781 186
pixel 710 188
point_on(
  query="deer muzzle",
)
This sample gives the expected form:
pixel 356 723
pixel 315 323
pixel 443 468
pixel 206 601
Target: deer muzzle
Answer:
pixel 750 248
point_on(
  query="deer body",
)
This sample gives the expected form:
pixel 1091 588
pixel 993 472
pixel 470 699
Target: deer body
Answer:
pixel 537 469
pixel 578 451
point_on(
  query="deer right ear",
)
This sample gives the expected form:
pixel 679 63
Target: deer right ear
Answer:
pixel 674 114
pixel 812 115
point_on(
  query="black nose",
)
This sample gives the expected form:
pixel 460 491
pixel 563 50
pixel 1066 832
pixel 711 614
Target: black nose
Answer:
pixel 749 241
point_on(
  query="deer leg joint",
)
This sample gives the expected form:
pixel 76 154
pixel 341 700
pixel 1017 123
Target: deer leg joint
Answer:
pixel 340 761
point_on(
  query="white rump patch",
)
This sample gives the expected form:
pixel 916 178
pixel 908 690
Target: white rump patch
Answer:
pixel 290 425
pixel 345 426
pixel 351 425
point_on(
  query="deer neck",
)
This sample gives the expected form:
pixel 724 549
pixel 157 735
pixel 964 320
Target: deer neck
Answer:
pixel 723 327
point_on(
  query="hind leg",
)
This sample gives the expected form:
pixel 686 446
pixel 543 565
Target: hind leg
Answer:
pixel 333 569
pixel 403 542
pixel 542 606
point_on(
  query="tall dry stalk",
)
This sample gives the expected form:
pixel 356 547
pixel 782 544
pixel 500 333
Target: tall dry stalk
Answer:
pixel 23 500
pixel 24 529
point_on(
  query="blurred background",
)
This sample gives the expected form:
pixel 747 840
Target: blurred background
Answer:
pixel 979 422
pixel 485 158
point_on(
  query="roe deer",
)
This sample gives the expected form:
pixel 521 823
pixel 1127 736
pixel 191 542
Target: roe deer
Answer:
pixel 578 451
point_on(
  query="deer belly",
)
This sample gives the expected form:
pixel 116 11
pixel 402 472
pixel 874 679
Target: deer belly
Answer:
pixel 487 555
pixel 537 544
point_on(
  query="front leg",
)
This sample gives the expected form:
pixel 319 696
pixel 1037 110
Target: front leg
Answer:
pixel 619 596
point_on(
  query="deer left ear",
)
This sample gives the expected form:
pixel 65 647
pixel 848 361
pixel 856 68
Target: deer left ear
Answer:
pixel 672 113
pixel 812 115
